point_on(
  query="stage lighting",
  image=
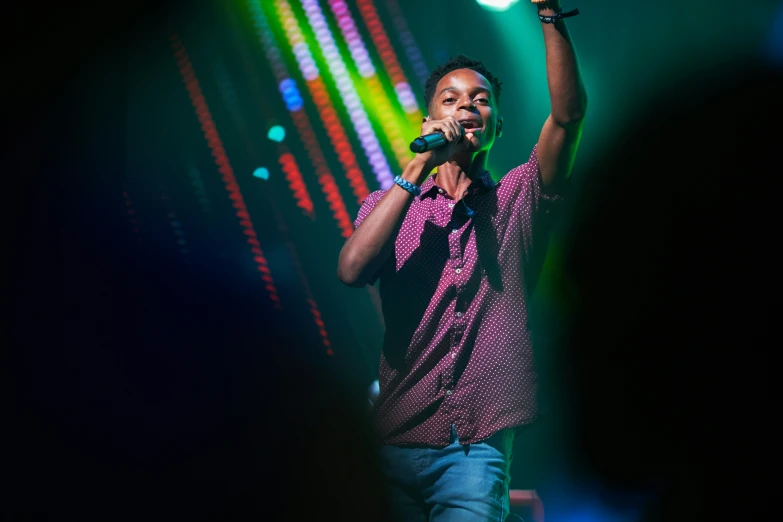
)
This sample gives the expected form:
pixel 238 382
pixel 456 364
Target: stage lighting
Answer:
pixel 496 5
pixel 276 133
pixel 261 172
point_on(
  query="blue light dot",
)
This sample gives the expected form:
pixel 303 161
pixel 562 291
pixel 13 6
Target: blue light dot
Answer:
pixel 276 133
pixel 286 84
pixel 291 101
pixel 291 95
pixel 261 172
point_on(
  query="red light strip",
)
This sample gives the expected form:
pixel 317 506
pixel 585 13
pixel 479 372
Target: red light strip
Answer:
pixel 336 133
pixel 290 168
pixel 224 167
pixel 332 125
pixel 384 110
pixel 296 183
pixel 325 177
pixel 283 228
pixel 293 175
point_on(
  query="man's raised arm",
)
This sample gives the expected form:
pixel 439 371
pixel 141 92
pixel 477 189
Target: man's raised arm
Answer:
pixel 562 130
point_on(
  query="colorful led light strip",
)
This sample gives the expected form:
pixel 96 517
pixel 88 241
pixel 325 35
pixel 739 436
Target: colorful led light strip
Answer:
pixel 224 167
pixel 293 100
pixel 345 87
pixel 390 63
pixel 406 37
pixel 319 322
pixel 316 313
pixel 305 128
pixel 385 112
pixel 293 175
pixel 295 181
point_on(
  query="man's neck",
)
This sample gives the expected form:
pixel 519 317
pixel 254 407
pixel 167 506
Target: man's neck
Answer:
pixel 456 176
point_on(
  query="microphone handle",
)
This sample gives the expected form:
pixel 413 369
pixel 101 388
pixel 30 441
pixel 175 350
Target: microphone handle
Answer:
pixel 428 142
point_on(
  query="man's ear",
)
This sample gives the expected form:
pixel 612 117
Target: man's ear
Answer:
pixel 500 127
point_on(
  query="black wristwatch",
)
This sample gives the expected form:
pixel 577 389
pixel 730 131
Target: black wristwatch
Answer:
pixel 552 19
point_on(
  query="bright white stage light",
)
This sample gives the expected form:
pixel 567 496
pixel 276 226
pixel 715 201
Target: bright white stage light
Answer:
pixel 496 5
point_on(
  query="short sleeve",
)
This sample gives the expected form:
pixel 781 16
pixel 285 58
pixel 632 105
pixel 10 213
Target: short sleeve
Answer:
pixel 526 192
pixel 532 209
pixel 367 205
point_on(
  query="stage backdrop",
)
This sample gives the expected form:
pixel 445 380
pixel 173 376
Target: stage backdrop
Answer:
pixel 256 128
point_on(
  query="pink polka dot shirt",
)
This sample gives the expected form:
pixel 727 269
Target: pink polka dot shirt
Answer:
pixel 457 347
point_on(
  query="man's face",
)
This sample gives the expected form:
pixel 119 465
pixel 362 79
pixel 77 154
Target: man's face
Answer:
pixel 467 96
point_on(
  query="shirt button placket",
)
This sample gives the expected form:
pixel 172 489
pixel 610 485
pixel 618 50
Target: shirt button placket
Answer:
pixel 456 266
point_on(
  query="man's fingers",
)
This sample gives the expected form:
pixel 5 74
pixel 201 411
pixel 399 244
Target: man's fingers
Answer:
pixel 457 130
pixel 450 128
pixel 443 127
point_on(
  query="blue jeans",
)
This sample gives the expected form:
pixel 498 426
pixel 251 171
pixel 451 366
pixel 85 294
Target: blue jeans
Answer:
pixel 458 483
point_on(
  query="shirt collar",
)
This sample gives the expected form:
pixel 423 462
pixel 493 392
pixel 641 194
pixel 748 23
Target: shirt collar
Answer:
pixel 480 184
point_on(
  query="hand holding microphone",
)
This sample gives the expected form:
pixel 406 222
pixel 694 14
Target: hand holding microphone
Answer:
pixel 440 140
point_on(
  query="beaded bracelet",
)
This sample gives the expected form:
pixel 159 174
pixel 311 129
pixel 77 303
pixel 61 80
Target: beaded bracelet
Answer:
pixel 407 185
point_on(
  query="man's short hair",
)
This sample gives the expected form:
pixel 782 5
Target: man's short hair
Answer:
pixel 460 62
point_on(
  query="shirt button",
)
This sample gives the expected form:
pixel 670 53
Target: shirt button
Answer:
pixel 451 205
pixel 455 231
pixel 449 392
pixel 459 314
pixel 459 270
pixel 440 190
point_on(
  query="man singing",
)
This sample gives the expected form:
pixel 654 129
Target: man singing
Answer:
pixel 458 256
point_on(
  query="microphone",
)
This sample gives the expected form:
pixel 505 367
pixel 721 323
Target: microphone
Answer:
pixel 427 142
